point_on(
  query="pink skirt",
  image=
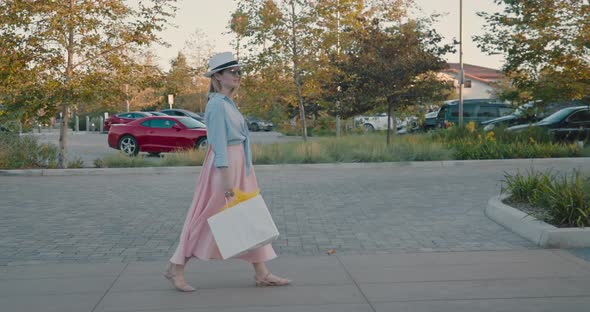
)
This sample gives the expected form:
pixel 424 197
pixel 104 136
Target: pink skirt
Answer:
pixel 196 239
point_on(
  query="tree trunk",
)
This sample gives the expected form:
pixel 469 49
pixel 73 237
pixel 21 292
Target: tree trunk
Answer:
pixel 388 121
pixel 62 160
pixel 296 73
pixel 63 132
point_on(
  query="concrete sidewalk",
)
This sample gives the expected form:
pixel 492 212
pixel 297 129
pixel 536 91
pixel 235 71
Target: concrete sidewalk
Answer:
pixel 522 280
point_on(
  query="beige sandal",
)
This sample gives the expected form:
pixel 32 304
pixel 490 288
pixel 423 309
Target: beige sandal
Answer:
pixel 271 280
pixel 170 275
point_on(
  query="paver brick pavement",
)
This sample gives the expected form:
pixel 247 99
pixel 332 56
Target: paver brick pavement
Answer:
pixel 354 210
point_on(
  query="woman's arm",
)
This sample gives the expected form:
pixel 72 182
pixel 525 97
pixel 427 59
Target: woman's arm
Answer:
pixel 217 138
pixel 217 132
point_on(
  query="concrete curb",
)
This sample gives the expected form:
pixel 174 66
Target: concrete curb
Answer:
pixel 98 171
pixel 542 234
pixel 415 164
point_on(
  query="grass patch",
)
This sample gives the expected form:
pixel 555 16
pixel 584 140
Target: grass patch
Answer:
pixel 562 199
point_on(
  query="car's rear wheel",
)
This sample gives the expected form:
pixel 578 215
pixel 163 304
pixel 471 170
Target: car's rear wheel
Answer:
pixel 128 145
pixel 369 128
pixel 255 127
pixel 201 143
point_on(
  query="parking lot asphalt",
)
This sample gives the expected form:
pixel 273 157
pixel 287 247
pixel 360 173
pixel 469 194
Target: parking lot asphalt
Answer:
pixel 89 146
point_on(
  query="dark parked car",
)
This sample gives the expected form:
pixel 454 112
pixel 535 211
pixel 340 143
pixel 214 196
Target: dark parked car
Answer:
pixel 257 124
pixel 430 120
pixel 568 124
pixel 183 112
pixel 123 118
pixel 528 113
pixel 157 135
pixel 476 110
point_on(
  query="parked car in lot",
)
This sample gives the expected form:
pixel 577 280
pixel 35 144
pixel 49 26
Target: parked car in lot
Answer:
pixel 379 122
pixel 568 124
pixel 123 118
pixel 257 124
pixel 430 120
pixel 158 134
pixel 529 112
pixel 183 112
pixel 476 110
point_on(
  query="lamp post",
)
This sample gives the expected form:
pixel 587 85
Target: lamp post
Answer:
pixel 461 73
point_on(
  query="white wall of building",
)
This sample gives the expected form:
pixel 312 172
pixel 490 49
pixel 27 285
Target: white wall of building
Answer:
pixel 478 90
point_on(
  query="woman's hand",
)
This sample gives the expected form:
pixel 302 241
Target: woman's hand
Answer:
pixel 227 182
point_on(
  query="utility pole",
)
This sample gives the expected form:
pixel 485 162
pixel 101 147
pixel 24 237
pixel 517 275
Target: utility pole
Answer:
pixel 338 52
pixel 461 73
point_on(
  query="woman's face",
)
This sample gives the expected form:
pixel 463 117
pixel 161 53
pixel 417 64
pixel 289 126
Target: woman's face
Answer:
pixel 230 78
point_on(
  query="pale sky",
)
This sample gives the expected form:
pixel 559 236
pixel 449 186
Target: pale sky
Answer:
pixel 212 16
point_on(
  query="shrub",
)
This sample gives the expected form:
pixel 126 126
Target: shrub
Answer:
pixel 469 143
pixel 24 152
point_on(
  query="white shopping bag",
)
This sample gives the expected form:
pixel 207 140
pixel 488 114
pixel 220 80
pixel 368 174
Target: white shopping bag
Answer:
pixel 243 227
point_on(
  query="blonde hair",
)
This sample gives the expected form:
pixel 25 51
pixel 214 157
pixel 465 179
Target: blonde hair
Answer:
pixel 216 86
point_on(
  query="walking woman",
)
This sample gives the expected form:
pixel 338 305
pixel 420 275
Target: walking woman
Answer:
pixel 227 165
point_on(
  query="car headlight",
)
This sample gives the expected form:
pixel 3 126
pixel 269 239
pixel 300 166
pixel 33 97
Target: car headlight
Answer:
pixel 489 127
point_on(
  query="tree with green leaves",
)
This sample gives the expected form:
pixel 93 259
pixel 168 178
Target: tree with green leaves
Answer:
pixel 180 78
pixel 391 67
pixel 69 51
pixel 307 40
pixel 546 46
pixel 277 36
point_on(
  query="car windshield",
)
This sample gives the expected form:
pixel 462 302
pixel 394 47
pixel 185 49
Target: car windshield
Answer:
pixel 191 123
pixel 557 116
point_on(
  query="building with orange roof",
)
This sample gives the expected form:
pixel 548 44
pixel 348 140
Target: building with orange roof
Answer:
pixel 479 80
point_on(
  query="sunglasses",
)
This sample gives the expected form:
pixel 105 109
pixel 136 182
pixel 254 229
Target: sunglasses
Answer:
pixel 235 72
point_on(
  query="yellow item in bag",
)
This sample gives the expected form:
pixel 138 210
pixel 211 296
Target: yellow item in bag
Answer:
pixel 240 196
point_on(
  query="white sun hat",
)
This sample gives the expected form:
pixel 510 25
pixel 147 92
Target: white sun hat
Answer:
pixel 221 61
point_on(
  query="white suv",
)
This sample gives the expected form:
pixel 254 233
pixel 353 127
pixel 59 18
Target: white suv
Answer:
pixel 379 122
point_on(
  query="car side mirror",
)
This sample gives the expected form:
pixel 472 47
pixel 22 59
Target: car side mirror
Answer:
pixel 176 127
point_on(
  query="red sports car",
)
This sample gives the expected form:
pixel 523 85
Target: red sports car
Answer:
pixel 123 118
pixel 158 134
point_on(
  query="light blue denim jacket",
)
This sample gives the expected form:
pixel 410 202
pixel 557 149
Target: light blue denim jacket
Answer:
pixel 226 126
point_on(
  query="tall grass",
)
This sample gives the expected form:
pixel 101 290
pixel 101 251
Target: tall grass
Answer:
pixel 181 158
pixel 565 198
pixel 369 148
